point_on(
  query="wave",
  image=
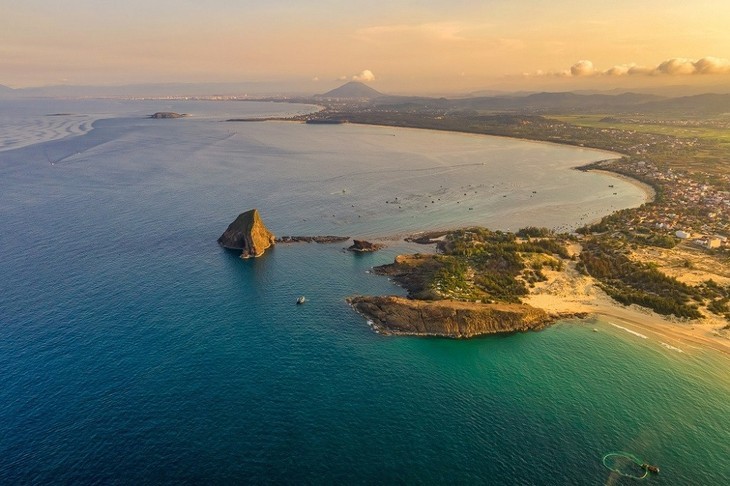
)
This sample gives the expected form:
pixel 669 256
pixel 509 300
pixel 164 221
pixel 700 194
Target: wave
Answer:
pixel 638 334
pixel 672 348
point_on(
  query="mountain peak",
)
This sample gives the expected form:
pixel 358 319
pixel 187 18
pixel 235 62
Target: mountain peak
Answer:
pixel 352 90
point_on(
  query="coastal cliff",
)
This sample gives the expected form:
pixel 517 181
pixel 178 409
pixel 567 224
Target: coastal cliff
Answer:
pixel 248 234
pixel 398 315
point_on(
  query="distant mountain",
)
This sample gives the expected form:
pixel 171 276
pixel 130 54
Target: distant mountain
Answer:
pixel 698 105
pixel 565 102
pixel 6 92
pixel 352 90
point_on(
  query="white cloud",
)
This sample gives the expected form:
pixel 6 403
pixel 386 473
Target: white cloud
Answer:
pixel 619 70
pixel 582 68
pixel 712 65
pixel 677 66
pixel 364 76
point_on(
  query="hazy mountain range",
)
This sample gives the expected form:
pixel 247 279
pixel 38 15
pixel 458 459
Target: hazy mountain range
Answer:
pixel 564 102
pixel 611 102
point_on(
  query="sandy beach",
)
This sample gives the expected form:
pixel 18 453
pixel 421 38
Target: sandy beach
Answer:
pixel 571 292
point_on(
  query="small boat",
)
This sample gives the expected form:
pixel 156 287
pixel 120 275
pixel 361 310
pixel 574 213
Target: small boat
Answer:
pixel 301 300
pixel 650 468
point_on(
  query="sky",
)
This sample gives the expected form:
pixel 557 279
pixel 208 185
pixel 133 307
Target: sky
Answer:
pixel 396 46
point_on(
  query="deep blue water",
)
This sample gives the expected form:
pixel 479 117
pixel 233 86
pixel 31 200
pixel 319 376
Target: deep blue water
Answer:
pixel 134 350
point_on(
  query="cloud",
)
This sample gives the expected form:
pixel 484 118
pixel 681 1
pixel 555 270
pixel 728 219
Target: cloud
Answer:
pixel 677 66
pixel 712 65
pixel 365 76
pixel 619 70
pixel 582 68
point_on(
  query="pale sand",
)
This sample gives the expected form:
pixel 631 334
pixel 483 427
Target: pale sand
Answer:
pixel 571 292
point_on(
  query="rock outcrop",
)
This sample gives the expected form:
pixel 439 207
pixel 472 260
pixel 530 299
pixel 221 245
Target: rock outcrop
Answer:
pixel 248 234
pixel 312 239
pixel 167 114
pixel 363 246
pixel 398 315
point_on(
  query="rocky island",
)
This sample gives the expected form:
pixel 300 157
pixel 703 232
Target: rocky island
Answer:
pixel 168 114
pixel 362 246
pixel 248 234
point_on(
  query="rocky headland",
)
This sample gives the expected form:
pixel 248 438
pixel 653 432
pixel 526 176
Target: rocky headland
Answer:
pixel 248 234
pixel 447 318
pixel 474 285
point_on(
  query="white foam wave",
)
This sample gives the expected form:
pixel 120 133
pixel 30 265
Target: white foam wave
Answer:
pixel 672 348
pixel 629 331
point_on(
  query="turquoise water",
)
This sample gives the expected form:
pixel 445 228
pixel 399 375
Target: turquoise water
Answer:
pixel 133 349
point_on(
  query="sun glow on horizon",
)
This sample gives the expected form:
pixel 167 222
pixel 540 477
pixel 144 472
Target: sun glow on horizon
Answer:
pixel 394 45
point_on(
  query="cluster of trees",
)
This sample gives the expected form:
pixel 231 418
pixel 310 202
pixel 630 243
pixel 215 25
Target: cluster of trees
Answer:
pixel 632 282
pixel 496 260
pixel 534 232
pixel 719 298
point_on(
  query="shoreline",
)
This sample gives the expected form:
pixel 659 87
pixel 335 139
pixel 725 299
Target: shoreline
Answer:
pixel 703 333
pixel 649 191
pixel 571 292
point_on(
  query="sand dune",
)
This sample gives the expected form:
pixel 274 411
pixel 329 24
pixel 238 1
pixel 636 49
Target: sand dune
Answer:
pixel 571 292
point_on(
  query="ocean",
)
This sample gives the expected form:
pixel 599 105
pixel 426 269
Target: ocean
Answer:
pixel 135 350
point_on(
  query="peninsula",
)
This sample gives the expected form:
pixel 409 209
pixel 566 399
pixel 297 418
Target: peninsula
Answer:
pixel 486 282
pixel 472 286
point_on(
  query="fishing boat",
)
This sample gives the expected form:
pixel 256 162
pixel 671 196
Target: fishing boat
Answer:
pixel 650 468
pixel 301 299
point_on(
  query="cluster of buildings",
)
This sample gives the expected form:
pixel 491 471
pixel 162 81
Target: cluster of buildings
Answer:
pixel 687 209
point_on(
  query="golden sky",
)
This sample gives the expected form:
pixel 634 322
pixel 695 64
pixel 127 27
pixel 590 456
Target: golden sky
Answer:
pixel 404 46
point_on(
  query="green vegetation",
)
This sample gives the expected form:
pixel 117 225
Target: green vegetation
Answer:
pixel 712 130
pixel 479 264
pixel 631 282
pixel 683 157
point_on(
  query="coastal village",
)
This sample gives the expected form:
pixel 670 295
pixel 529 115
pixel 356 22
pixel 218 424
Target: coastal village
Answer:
pixel 685 209
pixel 669 255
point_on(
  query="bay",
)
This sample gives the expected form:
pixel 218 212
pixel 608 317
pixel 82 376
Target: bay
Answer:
pixel 134 350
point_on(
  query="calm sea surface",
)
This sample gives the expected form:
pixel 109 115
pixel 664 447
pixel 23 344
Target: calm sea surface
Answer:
pixel 134 350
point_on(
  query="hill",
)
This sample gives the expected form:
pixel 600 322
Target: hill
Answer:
pixel 708 104
pixel 5 91
pixel 352 90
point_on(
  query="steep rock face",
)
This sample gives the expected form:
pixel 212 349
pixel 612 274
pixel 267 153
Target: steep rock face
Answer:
pixel 398 315
pixel 248 234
